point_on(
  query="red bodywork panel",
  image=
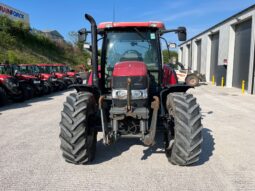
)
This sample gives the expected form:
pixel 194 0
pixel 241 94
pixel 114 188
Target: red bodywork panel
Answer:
pixel 130 68
pixel 25 77
pixel 4 77
pixel 44 76
pixel 72 74
pixel 90 76
pixel 169 76
pixel 153 24
pixel 59 75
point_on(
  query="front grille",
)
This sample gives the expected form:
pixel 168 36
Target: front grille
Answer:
pixel 137 82
pixel 134 103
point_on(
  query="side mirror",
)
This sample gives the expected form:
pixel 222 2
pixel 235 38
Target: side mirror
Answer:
pixel 182 34
pixel 16 72
pixel 82 35
pixel 172 45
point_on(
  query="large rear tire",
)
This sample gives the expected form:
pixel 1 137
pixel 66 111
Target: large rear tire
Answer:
pixel 184 133
pixel 78 138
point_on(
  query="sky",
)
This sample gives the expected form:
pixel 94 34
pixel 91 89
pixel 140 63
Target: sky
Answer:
pixel 67 15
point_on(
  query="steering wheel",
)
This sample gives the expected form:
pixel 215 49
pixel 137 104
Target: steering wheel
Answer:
pixel 138 54
pixel 132 52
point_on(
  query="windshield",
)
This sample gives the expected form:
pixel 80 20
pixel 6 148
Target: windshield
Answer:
pixel 133 45
pixel 36 69
pixel 45 69
pixel 26 69
pixel 2 70
pixel 60 69
pixel 5 70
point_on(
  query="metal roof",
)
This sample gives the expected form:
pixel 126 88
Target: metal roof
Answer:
pixel 221 23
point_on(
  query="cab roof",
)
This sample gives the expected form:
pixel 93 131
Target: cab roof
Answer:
pixel 150 24
pixel 44 64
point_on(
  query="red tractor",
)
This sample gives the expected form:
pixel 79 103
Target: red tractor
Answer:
pixel 60 73
pixel 48 72
pixel 131 96
pixel 28 70
pixel 10 87
pixel 72 74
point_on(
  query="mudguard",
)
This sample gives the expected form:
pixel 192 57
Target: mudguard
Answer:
pixel 170 89
pixel 87 88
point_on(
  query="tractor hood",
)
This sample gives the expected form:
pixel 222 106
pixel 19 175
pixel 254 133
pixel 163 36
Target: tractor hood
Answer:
pixel 45 76
pixel 60 75
pixel 71 74
pixel 130 68
pixel 25 77
pixel 4 77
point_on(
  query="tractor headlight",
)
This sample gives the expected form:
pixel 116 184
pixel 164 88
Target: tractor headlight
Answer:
pixel 139 94
pixel 135 94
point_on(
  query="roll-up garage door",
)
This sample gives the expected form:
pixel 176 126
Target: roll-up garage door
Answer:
pixel 242 53
pixel 214 54
pixel 189 55
pixel 198 56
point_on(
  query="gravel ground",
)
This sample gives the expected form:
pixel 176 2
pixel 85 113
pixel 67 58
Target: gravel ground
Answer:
pixel 30 158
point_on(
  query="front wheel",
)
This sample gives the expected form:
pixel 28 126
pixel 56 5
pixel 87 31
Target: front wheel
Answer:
pixel 77 135
pixel 192 80
pixel 183 138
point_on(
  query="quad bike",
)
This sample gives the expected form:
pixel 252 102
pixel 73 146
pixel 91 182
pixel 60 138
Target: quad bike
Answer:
pixel 131 96
pixel 188 76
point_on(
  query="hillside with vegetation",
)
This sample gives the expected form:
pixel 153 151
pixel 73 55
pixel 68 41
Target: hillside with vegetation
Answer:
pixel 18 44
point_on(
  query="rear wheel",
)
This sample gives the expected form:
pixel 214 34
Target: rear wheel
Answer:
pixel 184 131
pixel 3 97
pixel 78 138
pixel 28 91
pixel 61 85
pixel 47 88
pixel 192 80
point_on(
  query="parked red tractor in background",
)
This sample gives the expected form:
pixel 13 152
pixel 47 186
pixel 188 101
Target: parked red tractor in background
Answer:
pixel 40 85
pixel 131 96
pixel 71 73
pixel 10 87
pixel 47 71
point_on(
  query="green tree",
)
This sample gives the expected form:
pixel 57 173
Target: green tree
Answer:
pixel 166 54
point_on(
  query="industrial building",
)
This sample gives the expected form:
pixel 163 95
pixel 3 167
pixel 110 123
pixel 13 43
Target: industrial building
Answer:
pixel 13 13
pixel 225 50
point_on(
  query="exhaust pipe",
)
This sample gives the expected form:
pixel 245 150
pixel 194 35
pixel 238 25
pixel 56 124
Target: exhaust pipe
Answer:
pixel 94 59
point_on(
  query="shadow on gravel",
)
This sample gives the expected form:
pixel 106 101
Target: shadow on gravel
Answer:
pixel 207 147
pixel 106 153
pixel 28 103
